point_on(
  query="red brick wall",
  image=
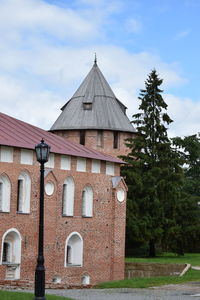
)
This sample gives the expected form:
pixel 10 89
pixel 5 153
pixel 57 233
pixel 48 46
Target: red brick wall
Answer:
pixel 103 234
pixel 91 140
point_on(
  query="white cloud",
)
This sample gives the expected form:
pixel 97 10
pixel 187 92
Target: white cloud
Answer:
pixel 185 114
pixel 35 107
pixel 61 71
pixel 21 16
pixel 37 77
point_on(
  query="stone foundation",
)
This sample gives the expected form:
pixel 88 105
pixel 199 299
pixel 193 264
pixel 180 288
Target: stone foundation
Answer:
pixel 136 269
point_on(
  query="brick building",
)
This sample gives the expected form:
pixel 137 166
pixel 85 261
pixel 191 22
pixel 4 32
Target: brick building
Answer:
pixel 85 197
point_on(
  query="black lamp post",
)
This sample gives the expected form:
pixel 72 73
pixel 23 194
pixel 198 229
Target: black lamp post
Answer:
pixel 42 154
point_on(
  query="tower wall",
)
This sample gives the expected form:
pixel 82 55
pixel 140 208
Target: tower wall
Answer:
pixel 92 140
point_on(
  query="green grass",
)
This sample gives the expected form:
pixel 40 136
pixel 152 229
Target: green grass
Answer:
pixel 7 295
pixel 145 282
pixel 167 258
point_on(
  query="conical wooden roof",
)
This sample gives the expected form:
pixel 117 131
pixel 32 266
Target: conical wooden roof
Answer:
pixel 93 106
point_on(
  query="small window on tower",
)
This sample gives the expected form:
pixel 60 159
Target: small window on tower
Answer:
pixel 87 106
pixel 115 139
pixel 100 138
pixel 82 137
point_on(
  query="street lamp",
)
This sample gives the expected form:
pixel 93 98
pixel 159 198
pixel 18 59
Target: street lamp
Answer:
pixel 42 154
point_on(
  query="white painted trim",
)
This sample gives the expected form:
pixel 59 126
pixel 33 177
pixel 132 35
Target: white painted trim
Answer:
pixel 81 164
pixel 26 197
pixel 65 162
pixel 66 243
pixel 68 198
pixel 87 201
pixel 26 157
pixel 6 192
pixel 3 238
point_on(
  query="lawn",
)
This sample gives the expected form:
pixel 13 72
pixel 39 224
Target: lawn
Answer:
pixel 5 295
pixel 167 258
pixel 144 282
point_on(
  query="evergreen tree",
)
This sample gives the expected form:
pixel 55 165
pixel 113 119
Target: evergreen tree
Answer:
pixel 153 174
pixel 190 146
pixel 186 234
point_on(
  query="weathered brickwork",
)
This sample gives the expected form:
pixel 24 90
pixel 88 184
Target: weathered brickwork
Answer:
pixel 102 234
pixel 107 145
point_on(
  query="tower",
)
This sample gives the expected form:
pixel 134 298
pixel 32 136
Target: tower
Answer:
pixel 94 117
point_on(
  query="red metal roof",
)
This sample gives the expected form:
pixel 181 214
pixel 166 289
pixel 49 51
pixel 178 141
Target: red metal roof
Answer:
pixel 16 133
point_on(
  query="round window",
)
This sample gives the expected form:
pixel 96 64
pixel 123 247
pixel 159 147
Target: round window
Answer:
pixel 49 188
pixel 120 195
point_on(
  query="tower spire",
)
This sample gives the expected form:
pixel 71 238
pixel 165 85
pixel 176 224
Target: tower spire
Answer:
pixel 95 59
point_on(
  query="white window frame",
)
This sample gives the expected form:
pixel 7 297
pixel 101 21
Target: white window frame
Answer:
pixel 96 166
pixel 76 250
pixel 81 164
pixel 68 197
pixel 110 168
pixel 15 251
pixel 26 157
pixel 24 193
pixel 5 192
pixel 6 154
pixel 65 162
pixel 50 162
pixel 87 201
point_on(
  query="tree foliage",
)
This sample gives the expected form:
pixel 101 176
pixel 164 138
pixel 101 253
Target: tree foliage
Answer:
pixel 186 234
pixel 190 147
pixel 153 172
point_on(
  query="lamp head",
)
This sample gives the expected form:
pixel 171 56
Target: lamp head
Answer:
pixel 42 152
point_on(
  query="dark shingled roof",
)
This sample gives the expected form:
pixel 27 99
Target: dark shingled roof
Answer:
pixel 17 133
pixel 106 112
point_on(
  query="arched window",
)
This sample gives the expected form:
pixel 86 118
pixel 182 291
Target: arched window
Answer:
pixel 11 253
pixel 23 193
pixel 68 197
pixel 74 250
pixel 85 280
pixel 11 247
pixel 5 188
pixel 87 202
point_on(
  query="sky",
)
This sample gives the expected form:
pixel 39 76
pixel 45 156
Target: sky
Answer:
pixel 47 48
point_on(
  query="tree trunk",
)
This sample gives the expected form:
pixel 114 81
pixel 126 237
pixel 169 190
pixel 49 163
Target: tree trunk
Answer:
pixel 152 250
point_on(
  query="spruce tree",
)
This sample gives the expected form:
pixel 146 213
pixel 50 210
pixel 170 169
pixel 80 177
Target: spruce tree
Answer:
pixel 153 174
pixel 186 234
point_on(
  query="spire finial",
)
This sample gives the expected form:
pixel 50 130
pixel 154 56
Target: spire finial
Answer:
pixel 95 58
